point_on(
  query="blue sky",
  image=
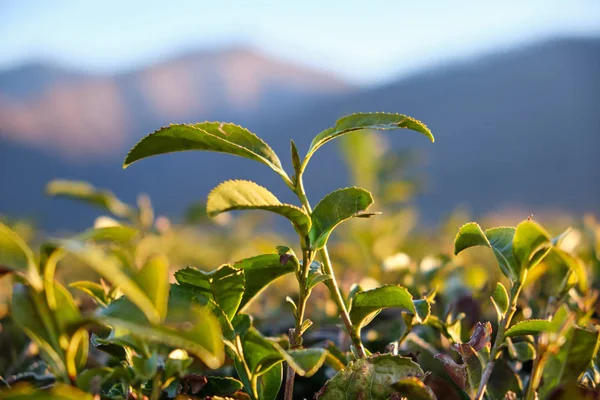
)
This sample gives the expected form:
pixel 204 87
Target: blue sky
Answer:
pixel 366 42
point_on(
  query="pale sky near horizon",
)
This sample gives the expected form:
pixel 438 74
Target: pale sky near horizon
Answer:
pixel 364 42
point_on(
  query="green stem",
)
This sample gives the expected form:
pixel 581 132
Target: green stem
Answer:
pixel 536 376
pixel 502 327
pixel 295 335
pixel 332 284
pixel 156 386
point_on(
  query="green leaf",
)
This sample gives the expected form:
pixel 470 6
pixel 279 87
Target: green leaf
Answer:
pixel 225 286
pixel 153 279
pixel 94 290
pixel 83 191
pixel 522 351
pixel 499 239
pixel 30 312
pixel 500 300
pixel 370 378
pixel 560 257
pixel 366 305
pixel 571 360
pixel 145 368
pixel 503 380
pixel 470 235
pixel 260 271
pixel 366 121
pixel 269 383
pixel 334 209
pixel 209 136
pixel 219 386
pixel 110 269
pixel 414 389
pixel 117 234
pixel 77 352
pixel 261 354
pixel 91 379
pixel 309 360
pixel 528 327
pixel 423 309
pixel 247 195
pixel 531 243
pixel 188 326
pixel 57 392
pixel 66 313
pixel 191 295
pixel 17 256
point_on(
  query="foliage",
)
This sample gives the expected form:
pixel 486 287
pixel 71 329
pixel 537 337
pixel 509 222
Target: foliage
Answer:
pixel 421 325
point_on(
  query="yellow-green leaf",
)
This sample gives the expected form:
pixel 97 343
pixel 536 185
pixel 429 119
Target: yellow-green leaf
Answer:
pixel 335 208
pixel 208 136
pixel 247 195
pixel 17 256
pixel 367 121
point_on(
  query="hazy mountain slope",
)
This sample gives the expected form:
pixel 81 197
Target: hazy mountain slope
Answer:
pixel 83 116
pixel 514 129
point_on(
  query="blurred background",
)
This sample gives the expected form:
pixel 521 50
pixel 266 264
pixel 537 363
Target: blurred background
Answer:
pixel 510 89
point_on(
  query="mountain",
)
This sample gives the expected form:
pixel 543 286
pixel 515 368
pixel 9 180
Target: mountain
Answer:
pixel 518 128
pixel 81 115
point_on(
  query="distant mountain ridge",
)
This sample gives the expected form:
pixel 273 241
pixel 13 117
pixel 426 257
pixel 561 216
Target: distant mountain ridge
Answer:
pixel 519 128
pixel 67 112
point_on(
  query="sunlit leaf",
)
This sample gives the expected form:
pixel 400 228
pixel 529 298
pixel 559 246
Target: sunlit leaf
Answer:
pixel 117 234
pixel 414 389
pixel 247 195
pixel 84 192
pixel 499 239
pixel 367 121
pixel 224 285
pixel 470 235
pixel 153 279
pixel 57 392
pixel 188 326
pixel 334 209
pixel 561 258
pixel 15 255
pixel 370 378
pixel 93 289
pixel 30 312
pixel 77 352
pixel 528 327
pixel 110 269
pixel 571 360
pixel 531 243
pixel 209 136
pixel 366 305
pixel 500 299
pixel 261 354
pixel 259 272
pixel 308 360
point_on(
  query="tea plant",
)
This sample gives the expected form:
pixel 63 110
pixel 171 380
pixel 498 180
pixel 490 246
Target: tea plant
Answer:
pixel 160 338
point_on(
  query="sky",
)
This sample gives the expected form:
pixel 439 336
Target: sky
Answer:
pixel 364 42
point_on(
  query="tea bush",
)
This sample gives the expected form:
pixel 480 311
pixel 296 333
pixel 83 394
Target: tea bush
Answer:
pixel 452 327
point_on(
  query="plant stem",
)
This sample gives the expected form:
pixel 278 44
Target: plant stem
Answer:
pixel 502 327
pixel 536 376
pixel 332 284
pixel 339 301
pixel 295 334
pixel 156 386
